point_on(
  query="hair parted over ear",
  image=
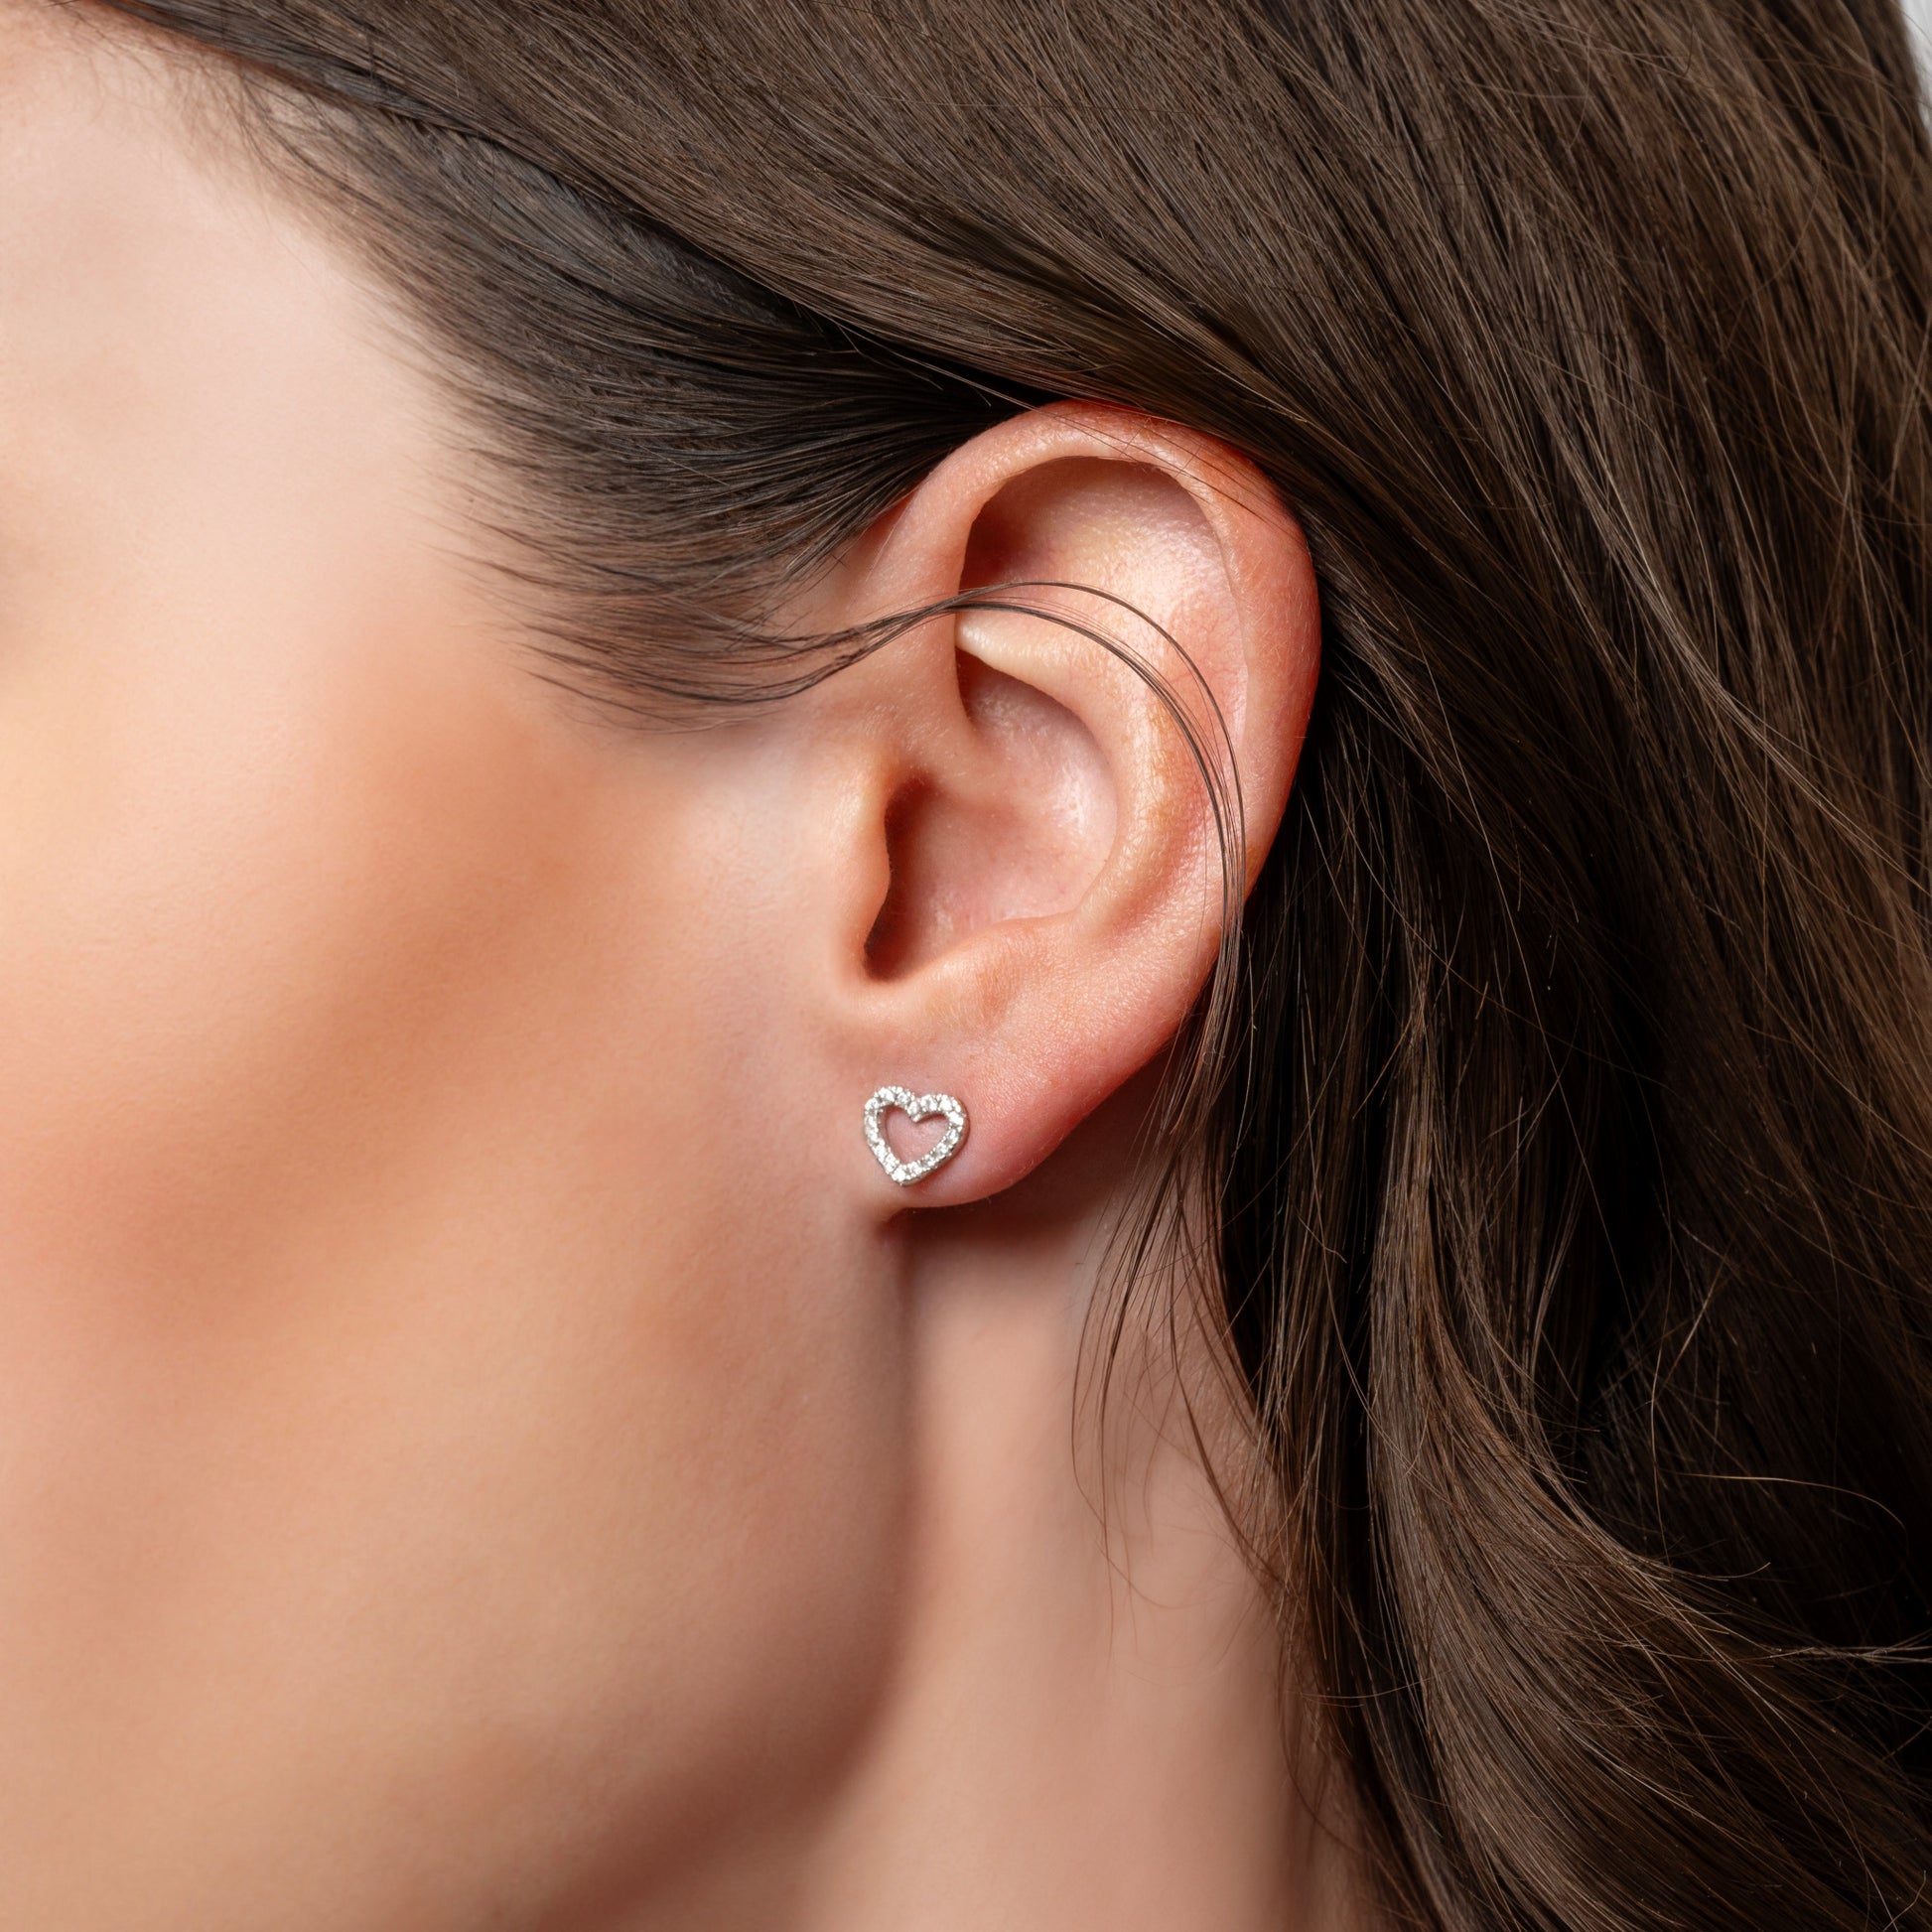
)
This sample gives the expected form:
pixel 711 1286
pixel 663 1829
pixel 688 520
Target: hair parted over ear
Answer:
pixel 1567 1158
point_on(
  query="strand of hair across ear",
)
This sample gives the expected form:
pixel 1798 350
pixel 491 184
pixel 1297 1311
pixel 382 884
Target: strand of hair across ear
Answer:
pixel 770 668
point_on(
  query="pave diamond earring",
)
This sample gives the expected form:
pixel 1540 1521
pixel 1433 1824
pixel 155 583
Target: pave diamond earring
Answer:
pixel 917 1107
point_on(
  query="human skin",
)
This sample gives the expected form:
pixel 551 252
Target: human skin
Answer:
pixel 481 1441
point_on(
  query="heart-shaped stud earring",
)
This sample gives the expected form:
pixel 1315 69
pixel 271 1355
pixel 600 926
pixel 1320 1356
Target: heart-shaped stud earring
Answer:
pixel 917 1107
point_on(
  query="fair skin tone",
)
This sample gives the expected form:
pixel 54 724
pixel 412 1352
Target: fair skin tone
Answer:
pixel 483 1442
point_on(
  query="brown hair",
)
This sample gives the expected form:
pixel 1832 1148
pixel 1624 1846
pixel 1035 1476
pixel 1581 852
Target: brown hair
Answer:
pixel 1572 1149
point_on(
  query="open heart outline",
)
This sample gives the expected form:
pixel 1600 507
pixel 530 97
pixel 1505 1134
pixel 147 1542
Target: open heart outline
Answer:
pixel 917 1107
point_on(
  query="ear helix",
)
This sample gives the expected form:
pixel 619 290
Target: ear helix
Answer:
pixel 917 1107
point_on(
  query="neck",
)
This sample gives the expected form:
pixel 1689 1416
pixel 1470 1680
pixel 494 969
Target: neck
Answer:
pixel 1087 1724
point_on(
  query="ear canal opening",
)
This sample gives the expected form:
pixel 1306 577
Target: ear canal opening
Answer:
pixel 1014 825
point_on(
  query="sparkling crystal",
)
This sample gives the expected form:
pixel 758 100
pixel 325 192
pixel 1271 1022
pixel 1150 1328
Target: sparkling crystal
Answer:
pixel 915 1107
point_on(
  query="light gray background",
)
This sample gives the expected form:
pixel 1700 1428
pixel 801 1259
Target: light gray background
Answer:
pixel 1919 13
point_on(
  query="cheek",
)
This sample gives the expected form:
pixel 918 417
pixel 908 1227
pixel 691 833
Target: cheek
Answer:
pixel 425 1460
pixel 408 1354
pixel 232 882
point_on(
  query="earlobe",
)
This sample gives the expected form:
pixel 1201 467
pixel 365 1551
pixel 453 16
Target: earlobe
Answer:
pixel 1142 626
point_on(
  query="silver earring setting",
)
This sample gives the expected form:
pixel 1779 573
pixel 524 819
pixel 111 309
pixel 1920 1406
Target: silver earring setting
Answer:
pixel 917 1107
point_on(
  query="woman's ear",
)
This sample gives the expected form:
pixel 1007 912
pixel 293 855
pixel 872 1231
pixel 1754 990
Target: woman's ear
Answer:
pixel 1034 876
